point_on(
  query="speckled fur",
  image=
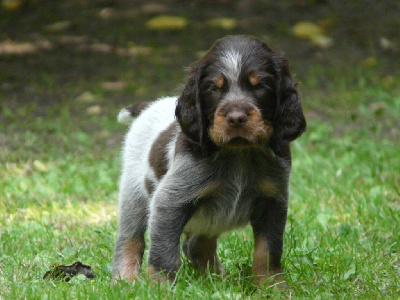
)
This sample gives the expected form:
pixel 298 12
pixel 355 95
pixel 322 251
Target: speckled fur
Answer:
pixel 177 178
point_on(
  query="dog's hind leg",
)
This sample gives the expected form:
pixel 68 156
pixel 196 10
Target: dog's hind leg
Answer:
pixel 202 253
pixel 130 242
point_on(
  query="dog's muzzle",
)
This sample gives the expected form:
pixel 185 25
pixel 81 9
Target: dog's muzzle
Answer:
pixel 239 124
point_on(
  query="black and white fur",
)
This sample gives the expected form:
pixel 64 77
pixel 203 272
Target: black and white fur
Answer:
pixel 215 158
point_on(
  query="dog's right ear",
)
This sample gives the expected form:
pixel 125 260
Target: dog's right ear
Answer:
pixel 188 108
pixel 289 121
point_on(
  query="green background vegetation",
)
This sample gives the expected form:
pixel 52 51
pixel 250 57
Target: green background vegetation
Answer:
pixel 68 67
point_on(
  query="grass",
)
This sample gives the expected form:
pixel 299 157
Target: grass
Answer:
pixel 59 161
pixel 58 199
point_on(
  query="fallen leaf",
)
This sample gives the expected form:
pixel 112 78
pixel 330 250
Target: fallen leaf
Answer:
pixel 44 44
pixel 59 26
pixel 113 85
pixel 154 8
pixel 322 41
pixel 105 48
pixel 224 23
pixel 11 4
pixel 131 50
pixel 386 44
pixel 165 22
pixel 134 50
pixel 306 30
pixel 86 97
pixel 107 13
pixel 40 166
pixel 350 272
pixel 11 47
pixel 111 13
pixel 94 110
pixel 72 39
pixel 370 62
pixel 20 48
pixel 13 169
pixel 313 33
pixel 65 273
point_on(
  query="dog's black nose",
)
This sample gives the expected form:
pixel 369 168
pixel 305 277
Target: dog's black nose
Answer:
pixel 236 118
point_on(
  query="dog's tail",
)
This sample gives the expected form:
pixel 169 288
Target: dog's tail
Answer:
pixel 127 114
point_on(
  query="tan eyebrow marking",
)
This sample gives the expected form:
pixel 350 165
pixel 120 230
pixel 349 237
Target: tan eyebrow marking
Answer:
pixel 219 81
pixel 254 79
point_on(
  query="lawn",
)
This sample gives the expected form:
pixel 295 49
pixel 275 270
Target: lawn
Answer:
pixel 60 164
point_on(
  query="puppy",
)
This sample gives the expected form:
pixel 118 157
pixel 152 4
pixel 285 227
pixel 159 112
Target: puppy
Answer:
pixel 213 159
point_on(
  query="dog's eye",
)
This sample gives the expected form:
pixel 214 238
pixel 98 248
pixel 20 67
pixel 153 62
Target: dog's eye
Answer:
pixel 219 81
pixel 258 82
pixel 254 79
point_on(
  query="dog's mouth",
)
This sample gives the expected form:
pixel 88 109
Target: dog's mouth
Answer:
pixel 239 141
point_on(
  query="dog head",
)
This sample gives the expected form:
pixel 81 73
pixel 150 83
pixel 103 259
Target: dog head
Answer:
pixel 240 94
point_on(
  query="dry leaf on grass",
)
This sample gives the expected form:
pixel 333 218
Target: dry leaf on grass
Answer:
pixel 40 166
pixel 322 41
pixel 19 48
pixel 386 44
pixel 224 23
pixel 113 85
pixel 313 33
pixel 154 8
pixel 306 30
pixel 59 26
pixel 370 61
pixel 11 4
pixel 165 22
pixel 94 110
pixel 86 97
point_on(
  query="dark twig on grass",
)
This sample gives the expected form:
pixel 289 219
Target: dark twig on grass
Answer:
pixel 65 273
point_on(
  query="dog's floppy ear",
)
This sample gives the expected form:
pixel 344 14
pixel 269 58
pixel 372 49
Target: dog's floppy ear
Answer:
pixel 289 121
pixel 188 108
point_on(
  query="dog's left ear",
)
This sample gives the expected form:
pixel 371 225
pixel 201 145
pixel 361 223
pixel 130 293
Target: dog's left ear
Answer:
pixel 188 108
pixel 289 121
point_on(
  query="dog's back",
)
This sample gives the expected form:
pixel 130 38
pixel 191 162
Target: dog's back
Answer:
pixel 145 129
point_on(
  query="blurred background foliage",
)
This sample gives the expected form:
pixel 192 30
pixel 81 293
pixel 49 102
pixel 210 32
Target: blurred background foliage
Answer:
pixel 96 55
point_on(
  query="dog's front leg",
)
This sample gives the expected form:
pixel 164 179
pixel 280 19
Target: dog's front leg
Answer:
pixel 268 222
pixel 168 216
